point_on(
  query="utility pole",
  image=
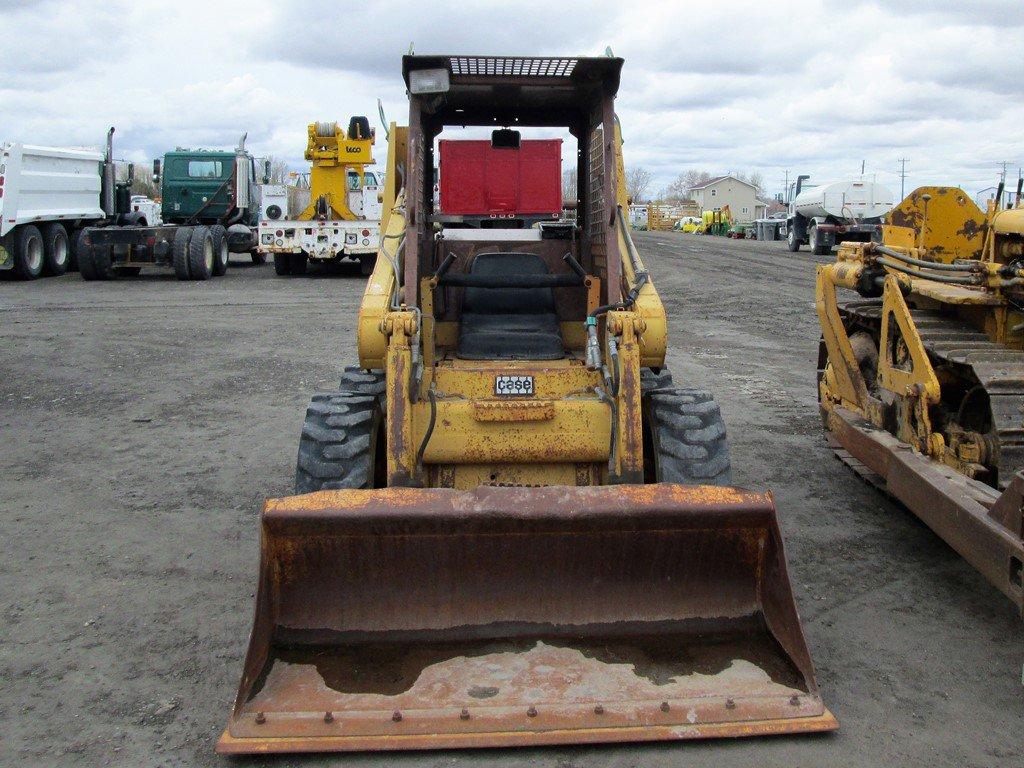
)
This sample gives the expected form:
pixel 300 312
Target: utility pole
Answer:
pixel 903 177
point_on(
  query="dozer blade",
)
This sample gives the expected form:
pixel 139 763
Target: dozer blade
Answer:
pixel 421 618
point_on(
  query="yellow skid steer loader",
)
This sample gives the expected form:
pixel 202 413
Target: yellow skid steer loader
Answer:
pixel 511 526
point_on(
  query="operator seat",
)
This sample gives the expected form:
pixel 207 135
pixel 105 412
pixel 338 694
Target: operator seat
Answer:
pixel 509 323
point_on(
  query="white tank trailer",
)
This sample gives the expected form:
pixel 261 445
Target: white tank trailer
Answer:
pixel 821 216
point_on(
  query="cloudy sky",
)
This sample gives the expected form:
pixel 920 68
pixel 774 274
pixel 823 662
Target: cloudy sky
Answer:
pixel 808 86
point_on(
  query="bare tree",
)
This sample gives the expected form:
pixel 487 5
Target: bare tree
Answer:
pixel 638 180
pixel 142 183
pixel 682 187
pixel 569 184
pixel 278 170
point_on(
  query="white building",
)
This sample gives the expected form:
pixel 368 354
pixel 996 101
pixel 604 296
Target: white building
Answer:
pixel 740 196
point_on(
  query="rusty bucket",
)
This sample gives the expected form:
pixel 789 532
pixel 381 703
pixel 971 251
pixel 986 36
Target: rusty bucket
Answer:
pixel 425 618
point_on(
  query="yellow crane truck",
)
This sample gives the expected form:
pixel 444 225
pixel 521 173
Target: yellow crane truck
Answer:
pixel 342 219
pixel 921 378
pixel 511 526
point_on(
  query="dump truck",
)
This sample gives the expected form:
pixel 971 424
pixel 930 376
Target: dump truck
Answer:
pixel 343 216
pixel 822 216
pixel 921 375
pixel 210 205
pixel 512 526
pixel 47 195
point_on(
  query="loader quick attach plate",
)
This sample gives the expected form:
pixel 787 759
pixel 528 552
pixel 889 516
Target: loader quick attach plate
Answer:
pixel 423 618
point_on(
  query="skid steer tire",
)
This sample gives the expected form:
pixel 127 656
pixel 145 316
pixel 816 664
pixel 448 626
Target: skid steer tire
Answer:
pixel 338 446
pixel 282 264
pixel 179 253
pixel 687 438
pixel 362 381
pixel 651 380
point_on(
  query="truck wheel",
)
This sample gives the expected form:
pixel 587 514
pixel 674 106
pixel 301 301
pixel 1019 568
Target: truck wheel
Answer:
pixel 282 264
pixel 56 253
pixel 817 248
pixel 220 249
pixel 366 264
pixel 684 436
pixel 297 263
pixel 792 243
pixel 28 252
pixel 201 257
pixel 93 260
pixel 258 257
pixel 179 252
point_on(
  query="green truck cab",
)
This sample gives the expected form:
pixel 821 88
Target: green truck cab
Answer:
pixel 207 186
pixel 211 204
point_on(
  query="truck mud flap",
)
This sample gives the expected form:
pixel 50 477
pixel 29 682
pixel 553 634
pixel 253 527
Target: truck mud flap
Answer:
pixel 426 618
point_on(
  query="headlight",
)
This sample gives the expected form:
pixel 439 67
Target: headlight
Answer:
pixel 428 81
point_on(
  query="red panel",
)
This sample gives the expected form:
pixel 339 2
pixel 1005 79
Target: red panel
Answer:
pixel 479 180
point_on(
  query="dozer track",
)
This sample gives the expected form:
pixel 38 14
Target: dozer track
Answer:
pixel 998 369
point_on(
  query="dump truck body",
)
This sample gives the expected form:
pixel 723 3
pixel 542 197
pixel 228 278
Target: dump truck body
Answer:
pixel 512 527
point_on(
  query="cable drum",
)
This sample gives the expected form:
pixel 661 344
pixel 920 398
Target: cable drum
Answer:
pixel 326 128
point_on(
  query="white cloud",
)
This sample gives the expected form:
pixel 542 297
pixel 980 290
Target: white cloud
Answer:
pixel 809 87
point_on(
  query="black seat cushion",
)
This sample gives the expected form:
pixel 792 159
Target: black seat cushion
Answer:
pixel 509 323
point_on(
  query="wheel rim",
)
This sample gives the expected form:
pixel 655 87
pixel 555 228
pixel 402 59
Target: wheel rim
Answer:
pixel 208 254
pixel 34 254
pixel 224 253
pixel 60 250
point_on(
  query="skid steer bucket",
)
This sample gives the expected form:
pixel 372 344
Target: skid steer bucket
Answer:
pixel 419 618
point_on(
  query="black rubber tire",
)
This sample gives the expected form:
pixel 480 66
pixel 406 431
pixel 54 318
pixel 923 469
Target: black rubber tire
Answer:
pixel 687 438
pixel 94 261
pixel 366 264
pixel 258 257
pixel 56 249
pixel 651 380
pixel 179 253
pixel 338 447
pixel 220 250
pixel 282 264
pixel 817 248
pixel 201 256
pixel 792 243
pixel 297 263
pixel 28 252
pixel 362 381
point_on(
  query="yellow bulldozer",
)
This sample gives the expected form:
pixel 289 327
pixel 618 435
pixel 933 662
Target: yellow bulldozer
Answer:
pixel 921 378
pixel 511 526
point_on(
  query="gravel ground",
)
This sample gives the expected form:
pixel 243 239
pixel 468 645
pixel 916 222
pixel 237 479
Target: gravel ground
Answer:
pixel 144 421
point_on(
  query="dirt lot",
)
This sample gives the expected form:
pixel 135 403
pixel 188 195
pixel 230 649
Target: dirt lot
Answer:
pixel 144 421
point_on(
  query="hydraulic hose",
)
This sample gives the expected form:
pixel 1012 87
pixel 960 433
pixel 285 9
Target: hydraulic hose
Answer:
pixel 430 428
pixel 974 266
pixel 951 279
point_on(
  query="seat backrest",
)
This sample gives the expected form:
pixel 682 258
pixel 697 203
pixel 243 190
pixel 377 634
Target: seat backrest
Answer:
pixel 508 301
